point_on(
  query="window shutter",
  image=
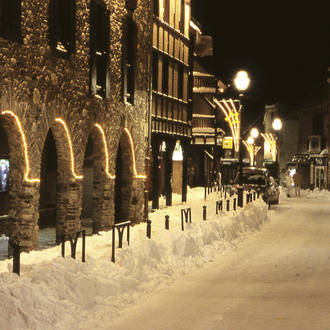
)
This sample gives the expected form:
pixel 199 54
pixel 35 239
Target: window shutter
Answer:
pixel 92 45
pixel 107 51
pixel 52 14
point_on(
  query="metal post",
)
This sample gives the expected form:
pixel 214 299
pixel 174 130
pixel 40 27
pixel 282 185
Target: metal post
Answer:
pixel 149 228
pixel 204 212
pixel 83 257
pixel 16 259
pixel 228 204
pixel 234 204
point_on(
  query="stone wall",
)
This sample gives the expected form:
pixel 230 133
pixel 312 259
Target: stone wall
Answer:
pixel 39 87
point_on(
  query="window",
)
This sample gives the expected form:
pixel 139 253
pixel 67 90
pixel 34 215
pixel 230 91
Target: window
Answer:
pixel 165 75
pixel 154 71
pixel 129 61
pixel 62 27
pixel 99 47
pixel 10 20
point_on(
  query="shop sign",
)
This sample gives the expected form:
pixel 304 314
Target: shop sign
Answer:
pixel 227 142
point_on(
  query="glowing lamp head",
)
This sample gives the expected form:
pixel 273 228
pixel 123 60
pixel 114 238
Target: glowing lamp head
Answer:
pixel 277 124
pixel 250 140
pixel 254 132
pixel 242 80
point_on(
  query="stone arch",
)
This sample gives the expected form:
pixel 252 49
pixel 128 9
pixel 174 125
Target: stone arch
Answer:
pixel 124 180
pixel 20 220
pixel 67 182
pixel 97 212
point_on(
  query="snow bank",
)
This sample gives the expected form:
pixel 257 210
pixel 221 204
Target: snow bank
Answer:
pixel 61 293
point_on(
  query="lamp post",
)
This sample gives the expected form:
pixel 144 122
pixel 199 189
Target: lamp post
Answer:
pixel 277 126
pixel 241 82
pixel 254 133
pixel 250 140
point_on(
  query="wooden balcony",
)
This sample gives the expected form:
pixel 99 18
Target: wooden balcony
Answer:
pixel 204 83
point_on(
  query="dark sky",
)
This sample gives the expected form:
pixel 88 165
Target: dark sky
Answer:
pixel 284 49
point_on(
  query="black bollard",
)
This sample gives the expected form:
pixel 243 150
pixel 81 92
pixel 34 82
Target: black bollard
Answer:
pixel 167 222
pixel 234 204
pixel 16 259
pixel 204 212
pixel 228 204
pixel 149 228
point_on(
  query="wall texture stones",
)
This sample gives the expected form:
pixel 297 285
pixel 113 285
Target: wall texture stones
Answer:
pixel 39 87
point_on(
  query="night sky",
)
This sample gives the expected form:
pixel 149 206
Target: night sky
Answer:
pixel 284 49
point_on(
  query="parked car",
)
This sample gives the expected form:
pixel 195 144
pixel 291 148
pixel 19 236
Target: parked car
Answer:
pixel 258 179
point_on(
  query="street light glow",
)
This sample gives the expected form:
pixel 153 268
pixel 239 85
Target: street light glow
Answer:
pixel 250 140
pixel 254 132
pixel 277 124
pixel 242 80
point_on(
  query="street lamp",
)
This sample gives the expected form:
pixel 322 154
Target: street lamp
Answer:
pixel 277 126
pixel 241 82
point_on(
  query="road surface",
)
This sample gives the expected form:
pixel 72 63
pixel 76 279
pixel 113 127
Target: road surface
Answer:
pixel 278 279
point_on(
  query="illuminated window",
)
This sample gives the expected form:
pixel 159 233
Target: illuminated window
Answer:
pixel 99 46
pixel 62 27
pixel 129 61
pixel 10 20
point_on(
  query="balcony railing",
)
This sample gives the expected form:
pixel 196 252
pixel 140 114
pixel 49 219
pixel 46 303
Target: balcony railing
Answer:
pixel 204 83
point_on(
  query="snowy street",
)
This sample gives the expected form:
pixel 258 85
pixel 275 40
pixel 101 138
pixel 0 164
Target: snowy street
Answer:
pixel 279 279
pixel 247 269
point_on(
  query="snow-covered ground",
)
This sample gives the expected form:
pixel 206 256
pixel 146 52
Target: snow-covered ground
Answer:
pixel 62 293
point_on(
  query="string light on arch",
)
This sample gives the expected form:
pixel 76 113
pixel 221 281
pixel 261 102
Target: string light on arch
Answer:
pixel 106 152
pixel 26 155
pixel 62 122
pixel 133 155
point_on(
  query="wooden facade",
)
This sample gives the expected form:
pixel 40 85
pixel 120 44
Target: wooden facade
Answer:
pixel 170 109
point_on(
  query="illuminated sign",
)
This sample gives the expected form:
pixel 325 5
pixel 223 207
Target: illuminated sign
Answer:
pixel 227 142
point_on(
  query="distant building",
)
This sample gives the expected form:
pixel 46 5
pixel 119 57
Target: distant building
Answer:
pixel 312 157
pixel 73 109
pixel 207 119
pixel 287 137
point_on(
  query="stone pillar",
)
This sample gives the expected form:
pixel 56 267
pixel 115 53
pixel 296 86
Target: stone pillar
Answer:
pixel 23 217
pixel 69 196
pixel 103 214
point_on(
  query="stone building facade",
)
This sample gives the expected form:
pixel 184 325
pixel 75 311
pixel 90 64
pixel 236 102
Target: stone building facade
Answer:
pixel 73 114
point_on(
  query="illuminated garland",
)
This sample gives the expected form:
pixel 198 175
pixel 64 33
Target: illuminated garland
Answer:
pixel 272 143
pixel 59 120
pixel 232 117
pixel 133 155
pixel 106 152
pixel 26 156
pixel 252 150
